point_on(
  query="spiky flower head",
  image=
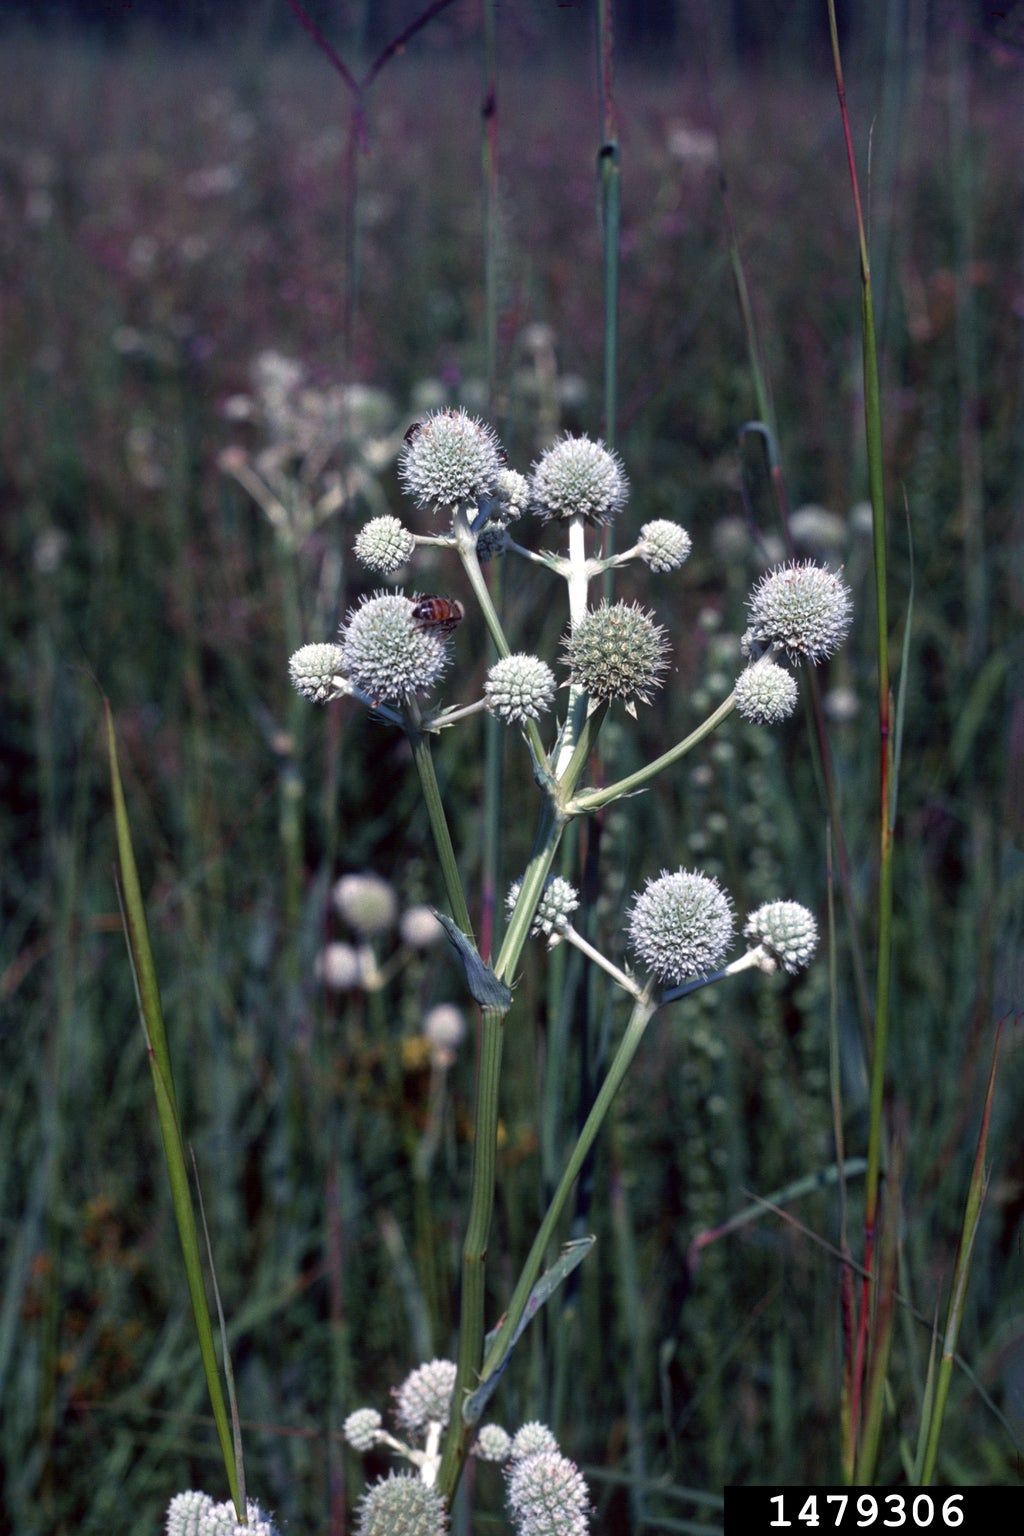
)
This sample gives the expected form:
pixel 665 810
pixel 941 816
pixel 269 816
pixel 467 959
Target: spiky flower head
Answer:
pixel 681 925
pixel 512 490
pixel 186 1512
pixel 804 608
pixel 547 1496
pixel 419 928
pixel 786 930
pixel 558 902
pixel 765 693
pixel 222 1520
pixel 312 670
pixel 387 654
pixel 360 1428
pixel 531 1440
pixel 519 687
pixel 383 544
pixel 367 903
pixel 449 458
pixel 444 1029
pixel 402 1505
pixel 339 967
pixel 578 477
pixel 664 545
pixel 492 1443
pixel 425 1396
pixel 617 651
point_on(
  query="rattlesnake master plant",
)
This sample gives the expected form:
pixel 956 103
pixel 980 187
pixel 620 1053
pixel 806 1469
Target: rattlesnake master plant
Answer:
pixel 396 653
pixel 196 1514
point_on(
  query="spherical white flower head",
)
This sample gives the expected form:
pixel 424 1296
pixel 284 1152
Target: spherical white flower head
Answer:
pixel 186 1512
pixel 444 1029
pixel 360 1429
pixel 787 931
pixel 803 607
pixel 512 490
pixel 617 651
pixel 366 902
pixel 531 1440
pixel 402 1505
pixel 222 1520
pixel 451 457
pixel 492 1443
pixel 419 928
pixel 312 670
pixel 387 654
pixel 519 687
pixel 425 1396
pixel 492 540
pixel 339 968
pixel 681 925
pixel 765 693
pixel 578 477
pixel 383 544
pixel 547 1496
pixel 558 902
pixel 664 545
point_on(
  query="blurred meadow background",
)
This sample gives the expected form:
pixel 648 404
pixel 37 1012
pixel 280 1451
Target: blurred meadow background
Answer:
pixel 222 302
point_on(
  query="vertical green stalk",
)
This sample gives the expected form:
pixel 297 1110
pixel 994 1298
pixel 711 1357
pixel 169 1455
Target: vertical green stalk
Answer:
pixel 609 170
pixel 873 430
pixel 423 758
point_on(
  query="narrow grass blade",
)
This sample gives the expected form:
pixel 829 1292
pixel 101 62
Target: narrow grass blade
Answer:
pixel 901 691
pixel 229 1375
pixel 961 1274
pixel 822 1178
pixel 880 1324
pixel 151 1015
pixel 927 1402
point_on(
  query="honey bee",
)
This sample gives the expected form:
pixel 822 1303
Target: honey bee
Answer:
pixel 437 613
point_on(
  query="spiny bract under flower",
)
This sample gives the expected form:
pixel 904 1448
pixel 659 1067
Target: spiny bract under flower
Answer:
pixel 386 654
pixel 425 1396
pixel 681 925
pixel 313 668
pixel 367 902
pixel 401 1505
pixel 383 544
pixel 617 651
pixel 531 1439
pixel 558 901
pixel 802 607
pixel 519 687
pixel 449 458
pixel 578 477
pixel 765 693
pixel 786 930
pixel 492 1443
pixel 547 1496
pixel 360 1428
pixel 664 545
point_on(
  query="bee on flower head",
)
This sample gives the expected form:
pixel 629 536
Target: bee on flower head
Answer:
pixel 442 614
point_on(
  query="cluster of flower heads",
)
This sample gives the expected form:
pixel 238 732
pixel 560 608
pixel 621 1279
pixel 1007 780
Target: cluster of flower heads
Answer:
pixel 545 1492
pixel 196 1514
pixel 453 465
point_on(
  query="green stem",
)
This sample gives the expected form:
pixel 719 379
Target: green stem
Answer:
pixel 593 799
pixel 609 168
pixel 640 1017
pixel 424 760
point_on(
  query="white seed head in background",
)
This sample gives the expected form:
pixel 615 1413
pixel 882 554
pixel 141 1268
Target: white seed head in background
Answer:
pixel 802 607
pixel 547 1496
pixel 617 651
pixel 816 528
pixel 578 477
pixel 387 654
pixel 312 670
pixel 664 545
pixel 367 903
pixel 531 1439
pixel 383 545
pixel 681 925
pixel 765 693
pixel 787 931
pixel 419 928
pixel 444 1029
pixel 492 1443
pixel 339 968
pixel 519 688
pixel 449 457
pixel 360 1428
